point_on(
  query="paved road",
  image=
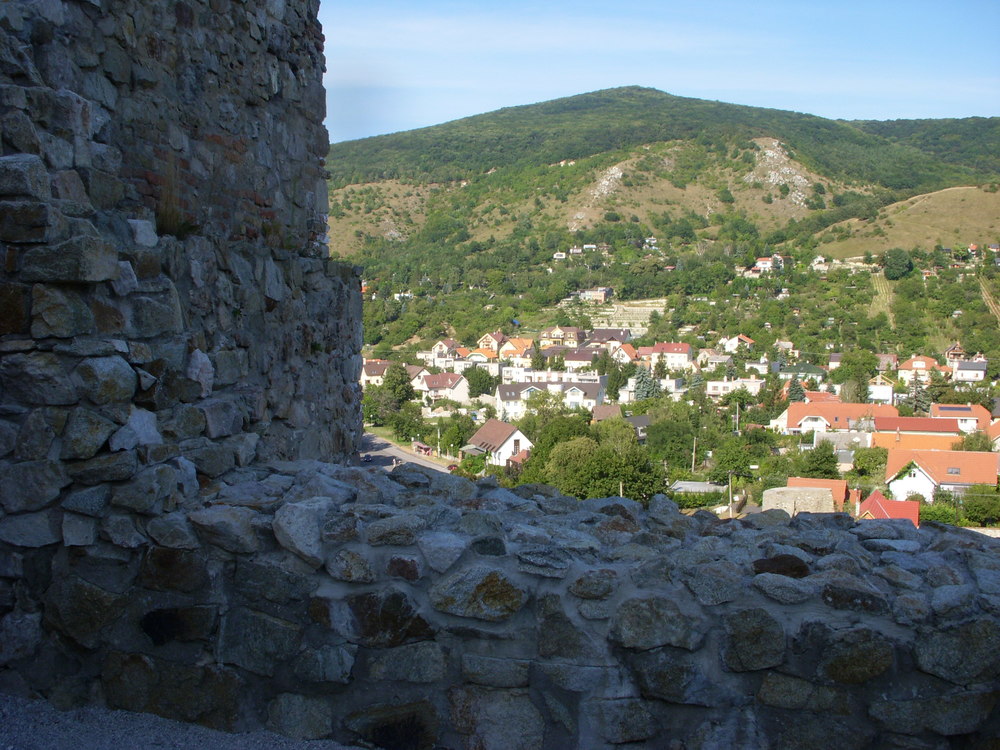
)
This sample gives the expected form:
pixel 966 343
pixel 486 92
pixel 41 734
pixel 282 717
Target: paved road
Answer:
pixel 382 453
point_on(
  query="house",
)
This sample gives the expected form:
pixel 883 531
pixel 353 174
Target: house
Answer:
pixel 838 488
pixel 916 433
pixel 491 341
pixel 835 360
pixel 993 431
pixel 878 507
pixel 887 362
pixel 498 441
pixel 801 417
pixel 970 417
pixel 608 338
pixel 444 348
pixel 674 356
pixel 954 354
pixel 579 359
pixel 817 397
pixel 625 354
pixel 803 372
pixel 970 371
pixel 512 399
pixel 731 346
pixel 720 388
pixel 881 390
pixel 709 359
pixel 919 368
pixel 640 423
pixel 373 371
pixel 605 411
pixel 923 472
pixel 445 385
pixel 569 336
pixel 598 295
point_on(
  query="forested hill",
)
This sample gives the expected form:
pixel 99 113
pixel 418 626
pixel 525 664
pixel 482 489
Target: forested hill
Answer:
pixel 972 142
pixel 580 126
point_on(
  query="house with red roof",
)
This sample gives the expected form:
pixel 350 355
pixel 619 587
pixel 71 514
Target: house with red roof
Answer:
pixel 801 417
pixel 922 472
pixel 920 368
pixel 675 356
pixel 916 433
pixel 878 507
pixel 970 417
pixel 444 385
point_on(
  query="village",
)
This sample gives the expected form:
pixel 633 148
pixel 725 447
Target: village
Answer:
pixel 569 364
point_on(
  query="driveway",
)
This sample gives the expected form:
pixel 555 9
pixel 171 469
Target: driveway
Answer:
pixel 383 452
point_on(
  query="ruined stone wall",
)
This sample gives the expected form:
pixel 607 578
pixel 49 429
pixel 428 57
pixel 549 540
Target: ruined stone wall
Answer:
pixel 172 335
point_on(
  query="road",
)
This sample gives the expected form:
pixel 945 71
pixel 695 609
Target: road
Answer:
pixel 383 452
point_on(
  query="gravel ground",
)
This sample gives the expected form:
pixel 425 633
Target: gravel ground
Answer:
pixel 37 725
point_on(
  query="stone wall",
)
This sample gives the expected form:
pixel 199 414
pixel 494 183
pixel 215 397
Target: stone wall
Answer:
pixel 416 610
pixel 172 336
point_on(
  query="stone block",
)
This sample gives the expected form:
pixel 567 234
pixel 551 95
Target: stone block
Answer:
pixel 91 501
pixel 226 527
pixel 28 222
pixel 146 491
pixel 105 380
pixel 121 530
pixel 856 656
pixel 348 565
pixel 168 569
pixel 78 530
pixel 300 717
pixel 441 549
pixel 623 720
pixel 77 260
pixel 31 485
pixel 495 671
pixel 86 432
pixel 755 640
pixel 36 378
pixel 32 529
pixel 20 635
pixel 643 623
pixel 381 619
pixel 297 527
pixel 480 592
pixel 489 715
pixel 223 417
pixel 256 641
pixel 105 467
pixel 59 313
pixel 140 429
pixel 24 176
pixel 143 233
pixel 416 662
pixel 172 530
pixel 326 664
pixel 963 654
pixel 81 610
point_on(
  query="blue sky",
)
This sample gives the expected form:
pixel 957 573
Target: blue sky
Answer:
pixel 395 65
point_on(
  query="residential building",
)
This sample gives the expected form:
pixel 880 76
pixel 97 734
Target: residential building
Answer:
pixel 970 417
pixel 803 372
pixel 445 385
pixel 881 390
pixel 598 295
pixel 922 472
pixel 878 507
pixel 499 441
pixel 919 368
pixel 373 372
pixel 608 338
pixel 887 362
pixel 801 417
pixel 675 356
pixel 568 336
pixel 719 388
pixel 970 371
pixel 492 341
pixel 734 344
pixel 512 399
pixel 916 433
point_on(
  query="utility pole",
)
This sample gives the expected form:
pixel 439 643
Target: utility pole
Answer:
pixel 694 451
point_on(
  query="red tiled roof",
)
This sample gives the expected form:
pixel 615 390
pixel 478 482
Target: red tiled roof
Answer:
pixel 963 411
pixel 441 380
pixel 947 467
pixel 877 506
pixel 914 441
pixel 917 424
pixel 838 416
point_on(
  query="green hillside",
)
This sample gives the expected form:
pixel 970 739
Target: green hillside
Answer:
pixel 614 119
pixel 972 142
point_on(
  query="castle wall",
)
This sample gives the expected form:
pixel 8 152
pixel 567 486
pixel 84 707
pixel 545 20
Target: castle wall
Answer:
pixel 176 349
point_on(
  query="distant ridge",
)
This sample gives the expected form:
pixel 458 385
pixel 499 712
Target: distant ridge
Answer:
pixel 899 157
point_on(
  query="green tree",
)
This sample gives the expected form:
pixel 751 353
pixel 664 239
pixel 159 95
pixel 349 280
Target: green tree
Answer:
pixel 869 464
pixel 796 392
pixel 537 359
pixel 645 386
pixel 820 462
pixel 407 423
pixel 981 505
pixel 480 382
pixel 896 263
pixel 974 441
pixel 730 458
pixel 396 382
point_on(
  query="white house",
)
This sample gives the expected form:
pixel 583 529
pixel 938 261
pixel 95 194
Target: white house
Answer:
pixel 499 441
pixel 922 472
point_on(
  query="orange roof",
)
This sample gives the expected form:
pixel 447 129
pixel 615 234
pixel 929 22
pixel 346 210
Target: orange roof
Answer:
pixel 994 430
pixel 821 397
pixel 837 487
pixel 963 411
pixel 629 351
pixel 947 467
pixel 517 345
pixel 911 441
pixel 917 424
pixel 488 353
pixel 878 506
pixel 838 416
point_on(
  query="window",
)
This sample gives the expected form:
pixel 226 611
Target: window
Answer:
pixel 954 470
pixel 517 447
